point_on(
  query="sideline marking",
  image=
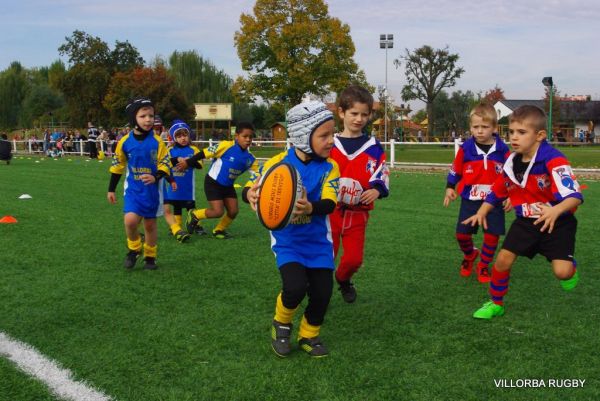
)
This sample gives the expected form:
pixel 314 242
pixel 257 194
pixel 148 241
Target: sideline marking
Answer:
pixel 59 380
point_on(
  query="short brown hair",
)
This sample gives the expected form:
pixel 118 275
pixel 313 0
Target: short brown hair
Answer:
pixel 355 94
pixel 535 116
pixel 486 112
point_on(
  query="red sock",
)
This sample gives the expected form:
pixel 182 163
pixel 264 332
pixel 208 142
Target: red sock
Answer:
pixel 499 285
pixel 490 243
pixel 465 241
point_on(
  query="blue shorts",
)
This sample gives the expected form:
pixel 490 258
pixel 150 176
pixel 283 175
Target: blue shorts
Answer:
pixel 495 219
pixel 146 209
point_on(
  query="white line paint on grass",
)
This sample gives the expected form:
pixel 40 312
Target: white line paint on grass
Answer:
pixel 59 380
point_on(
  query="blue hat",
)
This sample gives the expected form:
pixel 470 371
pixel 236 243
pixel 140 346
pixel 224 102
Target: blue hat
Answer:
pixel 177 125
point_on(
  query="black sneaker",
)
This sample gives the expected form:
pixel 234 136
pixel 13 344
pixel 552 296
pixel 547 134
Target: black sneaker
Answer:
pixel 182 236
pixel 348 291
pixel 200 230
pixel 150 263
pixel 280 338
pixel 313 347
pixel 130 259
pixel 191 222
pixel 221 234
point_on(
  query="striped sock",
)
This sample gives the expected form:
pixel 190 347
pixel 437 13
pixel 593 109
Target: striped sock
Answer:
pixel 490 243
pixel 499 285
pixel 465 241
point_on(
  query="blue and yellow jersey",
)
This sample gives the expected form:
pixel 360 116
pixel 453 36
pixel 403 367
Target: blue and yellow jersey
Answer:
pixel 308 240
pixel 135 158
pixel 230 161
pixel 186 187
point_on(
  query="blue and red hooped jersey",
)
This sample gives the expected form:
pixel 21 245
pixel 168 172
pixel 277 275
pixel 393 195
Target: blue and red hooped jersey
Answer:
pixel 474 171
pixel 549 179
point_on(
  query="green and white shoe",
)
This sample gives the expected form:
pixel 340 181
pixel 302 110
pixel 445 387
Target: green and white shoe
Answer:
pixel 488 311
pixel 571 283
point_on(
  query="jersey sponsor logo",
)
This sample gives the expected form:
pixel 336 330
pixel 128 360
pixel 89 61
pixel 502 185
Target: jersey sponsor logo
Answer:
pixel 479 192
pixel 350 191
pixel 231 159
pixel 532 210
pixel 469 169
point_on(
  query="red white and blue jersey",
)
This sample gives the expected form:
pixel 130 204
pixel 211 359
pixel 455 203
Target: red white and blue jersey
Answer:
pixel 362 170
pixel 473 171
pixel 549 179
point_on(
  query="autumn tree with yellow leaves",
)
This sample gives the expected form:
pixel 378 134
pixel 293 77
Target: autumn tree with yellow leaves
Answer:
pixel 292 47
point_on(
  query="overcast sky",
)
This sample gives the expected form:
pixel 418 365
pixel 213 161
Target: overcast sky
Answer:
pixel 510 43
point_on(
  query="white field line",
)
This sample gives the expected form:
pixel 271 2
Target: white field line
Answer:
pixel 59 380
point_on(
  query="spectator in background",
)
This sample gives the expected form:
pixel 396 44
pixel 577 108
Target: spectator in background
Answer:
pixel 93 135
pixel 5 149
pixel 69 141
pixel 420 136
pixel 581 135
pixel 77 141
pixel 46 138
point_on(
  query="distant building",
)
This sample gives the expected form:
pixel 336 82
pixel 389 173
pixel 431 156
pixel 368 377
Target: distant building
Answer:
pixel 574 115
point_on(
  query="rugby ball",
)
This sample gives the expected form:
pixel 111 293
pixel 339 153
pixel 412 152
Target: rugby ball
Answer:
pixel 279 189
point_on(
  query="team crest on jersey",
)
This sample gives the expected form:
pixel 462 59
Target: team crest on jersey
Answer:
pixel 543 181
pixel 213 148
pixel 371 164
pixel 498 167
pixel 231 159
pixel 154 155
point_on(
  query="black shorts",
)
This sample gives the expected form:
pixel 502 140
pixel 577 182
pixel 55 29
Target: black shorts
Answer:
pixel 495 218
pixel 525 239
pixel 215 191
pixel 179 205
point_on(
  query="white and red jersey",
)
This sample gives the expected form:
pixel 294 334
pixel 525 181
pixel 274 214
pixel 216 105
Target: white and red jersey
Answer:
pixel 548 179
pixel 363 169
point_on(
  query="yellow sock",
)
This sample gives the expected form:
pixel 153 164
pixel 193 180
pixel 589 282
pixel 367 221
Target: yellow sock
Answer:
pixel 199 213
pixel 307 330
pixel 150 251
pixel 223 224
pixel 283 314
pixel 135 245
pixel 175 227
pixel 178 219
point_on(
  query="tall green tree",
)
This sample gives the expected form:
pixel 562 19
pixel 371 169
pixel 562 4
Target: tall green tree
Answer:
pixel 13 89
pixel 451 112
pixel 199 79
pixel 92 65
pixel 428 71
pixel 292 47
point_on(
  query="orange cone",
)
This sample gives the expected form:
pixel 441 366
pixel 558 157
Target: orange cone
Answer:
pixel 8 220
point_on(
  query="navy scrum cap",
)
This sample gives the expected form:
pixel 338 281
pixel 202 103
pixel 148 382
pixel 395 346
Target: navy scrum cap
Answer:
pixel 133 106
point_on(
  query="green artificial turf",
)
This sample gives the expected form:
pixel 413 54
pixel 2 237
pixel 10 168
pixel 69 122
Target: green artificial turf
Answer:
pixel 198 328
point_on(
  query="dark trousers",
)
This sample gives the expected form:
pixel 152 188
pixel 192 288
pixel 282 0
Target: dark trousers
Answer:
pixel 299 281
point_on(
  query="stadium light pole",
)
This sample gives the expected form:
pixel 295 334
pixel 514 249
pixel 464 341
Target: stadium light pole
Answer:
pixel 547 81
pixel 386 41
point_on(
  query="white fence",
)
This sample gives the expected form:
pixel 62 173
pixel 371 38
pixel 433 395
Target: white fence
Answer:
pixel 80 148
